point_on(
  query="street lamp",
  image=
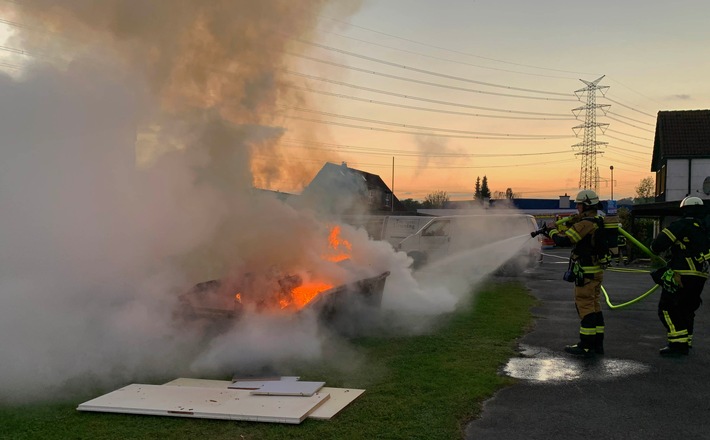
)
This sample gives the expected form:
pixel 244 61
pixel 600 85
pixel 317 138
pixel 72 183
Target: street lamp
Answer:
pixel 611 167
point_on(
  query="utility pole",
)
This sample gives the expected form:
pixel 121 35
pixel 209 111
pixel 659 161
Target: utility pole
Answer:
pixel 611 167
pixel 588 173
pixel 392 184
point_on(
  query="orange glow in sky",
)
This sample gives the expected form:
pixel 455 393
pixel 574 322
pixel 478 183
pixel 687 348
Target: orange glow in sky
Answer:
pixel 432 96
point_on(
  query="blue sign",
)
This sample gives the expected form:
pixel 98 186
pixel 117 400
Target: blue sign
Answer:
pixel 611 207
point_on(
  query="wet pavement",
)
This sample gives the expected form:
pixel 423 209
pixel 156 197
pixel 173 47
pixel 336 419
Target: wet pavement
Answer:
pixel 628 393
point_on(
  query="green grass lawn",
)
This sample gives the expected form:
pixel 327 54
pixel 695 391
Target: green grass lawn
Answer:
pixel 418 387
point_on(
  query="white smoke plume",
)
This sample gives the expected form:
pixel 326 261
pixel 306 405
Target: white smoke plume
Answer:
pixel 126 177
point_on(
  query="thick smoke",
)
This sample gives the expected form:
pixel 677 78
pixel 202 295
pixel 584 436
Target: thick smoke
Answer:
pixel 126 175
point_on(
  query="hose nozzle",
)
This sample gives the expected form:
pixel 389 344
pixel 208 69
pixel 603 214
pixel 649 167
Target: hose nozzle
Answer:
pixel 542 230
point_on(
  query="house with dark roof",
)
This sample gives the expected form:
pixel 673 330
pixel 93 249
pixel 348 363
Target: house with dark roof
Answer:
pixel 341 189
pixel 681 155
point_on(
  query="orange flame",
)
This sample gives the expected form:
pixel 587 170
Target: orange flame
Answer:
pixel 334 243
pixel 238 298
pixel 304 293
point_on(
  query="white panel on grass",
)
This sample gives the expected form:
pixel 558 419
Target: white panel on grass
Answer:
pixel 289 388
pixel 339 399
pixel 264 378
pixel 207 403
pixel 255 384
pixel 204 383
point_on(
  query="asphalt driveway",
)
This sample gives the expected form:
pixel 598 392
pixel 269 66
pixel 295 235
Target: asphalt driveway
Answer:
pixel 629 393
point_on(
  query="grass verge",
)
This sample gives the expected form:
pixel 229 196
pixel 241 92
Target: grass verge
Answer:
pixel 419 387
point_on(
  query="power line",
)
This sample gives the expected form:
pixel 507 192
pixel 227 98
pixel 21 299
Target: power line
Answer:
pixel 629 107
pixel 13 50
pixel 389 152
pixel 447 59
pixel 406 96
pixel 637 92
pixel 429 72
pixel 416 81
pixel 626 134
pixel 458 52
pixel 433 110
pixel 465 134
pixel 631 119
pixel 645 153
pixel 383 165
pixel 628 142
pixel 632 125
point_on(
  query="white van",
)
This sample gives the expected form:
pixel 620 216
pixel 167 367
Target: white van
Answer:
pixel 449 235
pixel 390 228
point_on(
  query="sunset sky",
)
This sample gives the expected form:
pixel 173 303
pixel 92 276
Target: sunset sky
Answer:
pixel 451 91
pixel 654 56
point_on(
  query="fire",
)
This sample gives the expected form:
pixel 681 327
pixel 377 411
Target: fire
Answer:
pixel 339 249
pixel 295 291
pixel 303 294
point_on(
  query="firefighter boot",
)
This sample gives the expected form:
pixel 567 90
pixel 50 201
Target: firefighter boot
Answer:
pixel 599 336
pixel 599 343
pixel 587 337
pixel 579 350
pixel 675 349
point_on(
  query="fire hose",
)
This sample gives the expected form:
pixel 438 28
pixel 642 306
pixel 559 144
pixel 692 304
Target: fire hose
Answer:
pixel 633 240
pixel 648 252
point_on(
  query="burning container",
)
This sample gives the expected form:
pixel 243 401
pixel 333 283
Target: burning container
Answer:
pixel 347 308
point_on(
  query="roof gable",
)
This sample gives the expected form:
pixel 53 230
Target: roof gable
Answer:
pixel 338 181
pixel 681 134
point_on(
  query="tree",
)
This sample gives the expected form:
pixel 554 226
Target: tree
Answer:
pixel 437 199
pixel 645 191
pixel 485 192
pixel 501 195
pixel 477 194
pixel 411 204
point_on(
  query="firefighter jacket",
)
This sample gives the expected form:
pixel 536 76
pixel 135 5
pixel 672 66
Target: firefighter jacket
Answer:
pixel 580 235
pixel 689 244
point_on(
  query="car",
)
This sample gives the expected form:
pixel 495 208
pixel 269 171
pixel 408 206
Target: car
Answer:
pixel 446 236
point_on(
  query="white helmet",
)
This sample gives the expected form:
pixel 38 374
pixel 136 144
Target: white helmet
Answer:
pixel 587 197
pixel 691 201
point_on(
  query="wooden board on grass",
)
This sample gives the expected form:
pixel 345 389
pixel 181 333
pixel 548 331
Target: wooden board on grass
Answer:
pixel 202 383
pixel 339 397
pixel 288 388
pixel 208 403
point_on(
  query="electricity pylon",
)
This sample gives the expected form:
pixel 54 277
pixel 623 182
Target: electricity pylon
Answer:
pixel 588 172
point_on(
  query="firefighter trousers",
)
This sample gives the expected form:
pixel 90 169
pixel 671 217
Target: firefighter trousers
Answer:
pixel 587 299
pixel 676 310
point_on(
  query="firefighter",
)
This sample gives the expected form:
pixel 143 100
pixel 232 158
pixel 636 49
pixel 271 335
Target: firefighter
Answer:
pixel 587 263
pixel 618 249
pixel 623 250
pixel 684 277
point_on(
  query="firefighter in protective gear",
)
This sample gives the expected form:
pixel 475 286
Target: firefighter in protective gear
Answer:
pixel 685 276
pixel 586 267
